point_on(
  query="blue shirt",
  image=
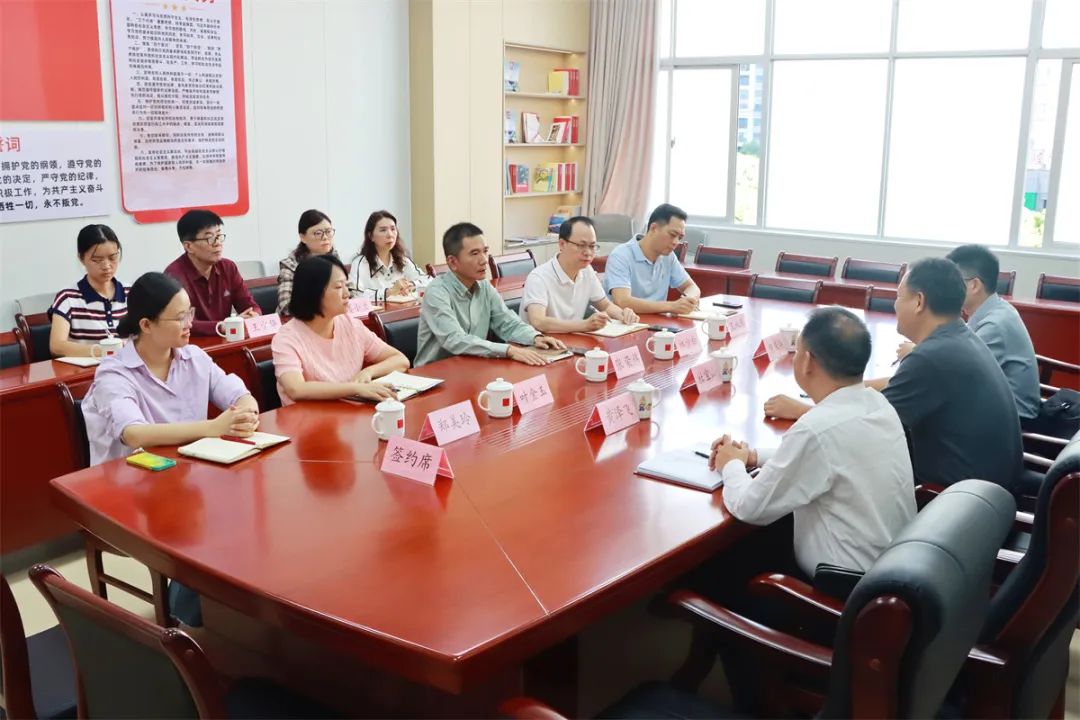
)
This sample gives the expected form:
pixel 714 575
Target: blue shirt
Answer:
pixel 627 267
pixel 997 324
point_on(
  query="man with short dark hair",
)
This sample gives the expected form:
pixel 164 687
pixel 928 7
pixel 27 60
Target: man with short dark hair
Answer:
pixel 640 272
pixel 949 391
pixel 842 469
pixel 559 292
pixel 213 283
pixel 460 307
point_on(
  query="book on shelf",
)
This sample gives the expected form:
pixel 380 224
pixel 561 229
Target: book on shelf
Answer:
pixel 510 126
pixel 511 75
pixel 561 215
pixel 570 133
pixel 530 128
pixel 559 82
pixel 525 240
pixel 555 177
pixel 521 181
pixel 557 133
pixel 542 180
pixel 574 83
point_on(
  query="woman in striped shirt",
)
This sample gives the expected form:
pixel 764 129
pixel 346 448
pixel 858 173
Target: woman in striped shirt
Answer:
pixel 316 238
pixel 90 311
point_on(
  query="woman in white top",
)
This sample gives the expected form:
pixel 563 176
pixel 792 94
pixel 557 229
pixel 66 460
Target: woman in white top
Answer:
pixel 382 268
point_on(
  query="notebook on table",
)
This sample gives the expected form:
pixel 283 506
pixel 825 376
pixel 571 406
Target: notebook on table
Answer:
pixel 227 452
pixel 79 361
pixel 552 355
pixel 407 386
pixel 411 297
pixel 616 329
pixel 683 467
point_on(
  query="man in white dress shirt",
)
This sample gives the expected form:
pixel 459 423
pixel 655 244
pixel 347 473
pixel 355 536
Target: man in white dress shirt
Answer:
pixel 843 469
pixel 559 292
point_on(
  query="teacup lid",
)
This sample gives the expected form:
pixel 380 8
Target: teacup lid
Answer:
pixel 640 385
pixel 596 352
pixel 390 406
pixel 665 333
pixel 499 385
pixel 723 352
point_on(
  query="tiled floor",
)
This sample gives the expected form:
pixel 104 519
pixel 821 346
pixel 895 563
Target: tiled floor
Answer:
pixel 37 616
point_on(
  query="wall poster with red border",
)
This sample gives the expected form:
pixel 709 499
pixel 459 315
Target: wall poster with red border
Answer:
pixel 179 79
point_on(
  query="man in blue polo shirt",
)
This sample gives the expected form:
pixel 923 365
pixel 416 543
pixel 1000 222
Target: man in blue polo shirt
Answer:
pixel 640 272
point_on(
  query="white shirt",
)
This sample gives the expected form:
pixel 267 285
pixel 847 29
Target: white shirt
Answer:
pixel 375 286
pixel 550 287
pixel 843 469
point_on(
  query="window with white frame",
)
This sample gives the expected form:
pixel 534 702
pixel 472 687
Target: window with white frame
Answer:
pixel 927 120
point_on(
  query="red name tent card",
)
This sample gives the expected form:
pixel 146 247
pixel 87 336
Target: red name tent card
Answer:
pixel 262 325
pixel 359 307
pixel 415 460
pixel 627 362
pixel 533 393
pixel 451 423
pixel 614 414
pixel 704 377
pixel 737 325
pixel 688 342
pixel 775 346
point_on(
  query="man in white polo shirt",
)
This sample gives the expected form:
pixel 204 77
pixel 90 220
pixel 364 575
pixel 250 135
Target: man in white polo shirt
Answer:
pixel 558 293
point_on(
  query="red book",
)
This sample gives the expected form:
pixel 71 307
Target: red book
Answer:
pixel 575 80
pixel 573 129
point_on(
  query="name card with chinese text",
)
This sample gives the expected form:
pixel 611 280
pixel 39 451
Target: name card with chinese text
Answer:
pixel 359 307
pixel 627 362
pixel 775 346
pixel 450 423
pixel 704 377
pixel 415 460
pixel 737 325
pixel 614 414
pixel 262 325
pixel 533 393
pixel 688 342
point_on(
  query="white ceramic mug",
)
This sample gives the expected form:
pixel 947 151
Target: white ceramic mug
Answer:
pixel 499 397
pixel 715 326
pixel 661 345
pixel 594 366
pixel 790 333
pixel 389 419
pixel 726 361
pixel 107 347
pixel 645 397
pixel 231 328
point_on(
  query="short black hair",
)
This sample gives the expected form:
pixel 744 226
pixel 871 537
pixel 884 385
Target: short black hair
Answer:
pixel 454 237
pixel 567 228
pixel 146 298
pixel 663 213
pixel 940 282
pixel 839 341
pixel 977 261
pixel 310 280
pixel 93 235
pixel 194 222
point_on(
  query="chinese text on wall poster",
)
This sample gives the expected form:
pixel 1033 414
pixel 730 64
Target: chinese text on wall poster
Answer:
pixel 48 173
pixel 176 104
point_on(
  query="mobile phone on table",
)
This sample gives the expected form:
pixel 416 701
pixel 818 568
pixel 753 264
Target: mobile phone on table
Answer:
pixel 732 305
pixel 149 461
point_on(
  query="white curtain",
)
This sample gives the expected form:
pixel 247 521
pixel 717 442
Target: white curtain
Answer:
pixel 622 99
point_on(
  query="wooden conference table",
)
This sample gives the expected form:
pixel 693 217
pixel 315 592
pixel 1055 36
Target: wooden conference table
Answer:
pixel 544 529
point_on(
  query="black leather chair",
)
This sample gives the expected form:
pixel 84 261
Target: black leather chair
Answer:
pixel 514 304
pixel 723 257
pixel 902 636
pixel 38 675
pixel 518 264
pixel 882 300
pixel 261 380
pixel 400 333
pixel 1006 280
pixel 1057 287
pixel 128 667
pixel 13 349
pixel 36 329
pixel 264 291
pixel 805 264
pixel 781 288
pixel 872 270
pixel 1023 661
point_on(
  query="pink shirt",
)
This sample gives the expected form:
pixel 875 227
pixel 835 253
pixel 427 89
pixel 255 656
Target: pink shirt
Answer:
pixel 299 349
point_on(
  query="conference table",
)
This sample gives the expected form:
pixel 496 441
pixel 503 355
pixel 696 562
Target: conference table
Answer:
pixel 543 529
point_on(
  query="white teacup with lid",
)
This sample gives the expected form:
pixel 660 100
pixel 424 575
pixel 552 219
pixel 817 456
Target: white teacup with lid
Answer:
pixel 106 347
pixel 594 366
pixel 661 345
pixel 231 328
pixel 645 397
pixel 790 333
pixel 499 397
pixel 715 326
pixel 389 419
pixel 726 361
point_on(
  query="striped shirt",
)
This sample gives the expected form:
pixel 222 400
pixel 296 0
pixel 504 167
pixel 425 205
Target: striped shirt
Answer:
pixel 92 317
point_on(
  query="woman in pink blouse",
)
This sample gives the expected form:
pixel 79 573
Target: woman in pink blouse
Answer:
pixel 322 353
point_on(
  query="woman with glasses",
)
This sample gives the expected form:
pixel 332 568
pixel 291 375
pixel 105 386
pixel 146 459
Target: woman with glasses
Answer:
pixel 316 238
pixel 87 313
pixel 382 268
pixel 155 391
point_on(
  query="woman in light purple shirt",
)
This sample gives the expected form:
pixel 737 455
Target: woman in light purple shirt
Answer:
pixel 155 390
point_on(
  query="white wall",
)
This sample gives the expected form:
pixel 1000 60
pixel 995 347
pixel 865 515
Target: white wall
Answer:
pixel 327 88
pixel 766 245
